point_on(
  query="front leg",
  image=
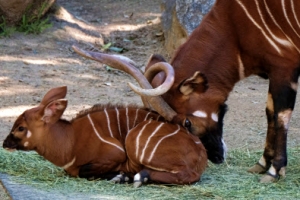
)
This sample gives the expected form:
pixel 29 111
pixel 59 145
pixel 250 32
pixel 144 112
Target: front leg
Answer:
pixel 281 101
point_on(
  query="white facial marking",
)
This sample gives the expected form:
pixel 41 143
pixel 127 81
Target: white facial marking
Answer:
pixel 28 134
pixel 262 161
pixel 200 113
pixel 214 117
pixel 26 144
pixel 285 117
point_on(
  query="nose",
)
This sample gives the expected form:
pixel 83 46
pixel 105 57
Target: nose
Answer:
pixel 218 159
pixel 9 144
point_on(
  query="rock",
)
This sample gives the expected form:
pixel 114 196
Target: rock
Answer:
pixel 180 18
pixel 13 10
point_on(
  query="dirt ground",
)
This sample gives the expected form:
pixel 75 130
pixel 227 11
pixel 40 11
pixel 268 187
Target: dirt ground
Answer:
pixel 32 64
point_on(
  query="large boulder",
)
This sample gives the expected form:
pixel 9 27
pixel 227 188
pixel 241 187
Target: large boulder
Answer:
pixel 13 10
pixel 180 18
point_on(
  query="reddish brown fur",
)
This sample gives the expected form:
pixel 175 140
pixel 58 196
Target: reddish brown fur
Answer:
pixel 270 46
pixel 76 146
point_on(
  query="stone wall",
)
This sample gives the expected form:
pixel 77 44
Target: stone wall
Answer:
pixel 180 18
pixel 13 10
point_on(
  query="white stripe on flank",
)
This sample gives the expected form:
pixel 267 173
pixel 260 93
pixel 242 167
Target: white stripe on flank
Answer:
pixel 137 143
pixel 158 117
pixel 148 141
pixel 166 136
pixel 275 22
pixel 98 135
pixel 69 164
pixel 118 119
pixel 127 119
pixel 241 67
pixel 287 18
pixel 147 116
pixel 258 26
pixel 279 40
pixel 136 116
pixel 294 12
pixel 108 123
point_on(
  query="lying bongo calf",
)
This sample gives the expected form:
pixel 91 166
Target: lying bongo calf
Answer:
pixel 105 140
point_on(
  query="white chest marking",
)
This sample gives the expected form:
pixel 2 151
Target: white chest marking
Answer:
pixel 69 164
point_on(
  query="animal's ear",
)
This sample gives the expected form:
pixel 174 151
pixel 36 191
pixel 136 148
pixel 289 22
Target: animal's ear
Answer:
pixel 54 110
pixel 197 83
pixel 54 94
pixel 155 58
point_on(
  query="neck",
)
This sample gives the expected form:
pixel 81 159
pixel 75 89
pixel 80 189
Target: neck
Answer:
pixel 207 51
pixel 57 145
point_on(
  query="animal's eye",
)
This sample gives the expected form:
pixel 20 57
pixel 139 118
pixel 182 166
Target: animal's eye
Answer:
pixel 21 128
pixel 187 123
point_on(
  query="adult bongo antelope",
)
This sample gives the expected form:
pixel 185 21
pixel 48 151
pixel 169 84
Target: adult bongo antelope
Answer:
pixel 236 39
pixel 106 140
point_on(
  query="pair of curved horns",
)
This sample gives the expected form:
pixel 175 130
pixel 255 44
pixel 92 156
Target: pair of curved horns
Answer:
pixel 152 96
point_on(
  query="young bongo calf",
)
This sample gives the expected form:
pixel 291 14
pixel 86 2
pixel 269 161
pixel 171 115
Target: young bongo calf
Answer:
pixel 92 144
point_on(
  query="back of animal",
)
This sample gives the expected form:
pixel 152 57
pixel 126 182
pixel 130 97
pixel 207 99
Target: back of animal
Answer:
pixel 164 147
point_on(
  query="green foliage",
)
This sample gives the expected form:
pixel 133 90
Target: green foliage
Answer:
pixel 226 181
pixel 5 30
pixel 34 24
pixel 29 25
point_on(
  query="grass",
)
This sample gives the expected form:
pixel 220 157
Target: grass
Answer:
pixel 28 25
pixel 227 181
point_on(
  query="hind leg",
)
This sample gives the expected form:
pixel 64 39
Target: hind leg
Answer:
pixel 180 177
pixel 281 101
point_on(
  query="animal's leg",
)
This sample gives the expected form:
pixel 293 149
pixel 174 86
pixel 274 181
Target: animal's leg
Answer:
pixel 93 171
pixel 265 161
pixel 281 101
pixel 122 178
pixel 181 177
